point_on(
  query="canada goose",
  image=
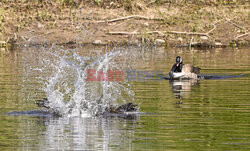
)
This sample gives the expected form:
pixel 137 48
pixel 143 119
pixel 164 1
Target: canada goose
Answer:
pixel 128 107
pixel 180 70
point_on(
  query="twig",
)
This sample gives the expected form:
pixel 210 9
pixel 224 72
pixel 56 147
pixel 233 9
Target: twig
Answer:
pixel 191 42
pixel 123 33
pixel 236 25
pixel 230 21
pixel 158 32
pixel 162 32
pixel 188 33
pixel 151 2
pixel 38 35
pixel 212 29
pixel 214 26
pixel 242 35
pixel 120 24
pixel 128 17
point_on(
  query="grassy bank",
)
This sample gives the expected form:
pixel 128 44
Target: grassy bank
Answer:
pixel 208 23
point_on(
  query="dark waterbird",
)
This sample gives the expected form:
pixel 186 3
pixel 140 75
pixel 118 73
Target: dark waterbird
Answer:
pixel 126 111
pixel 180 71
pixel 120 111
pixel 183 71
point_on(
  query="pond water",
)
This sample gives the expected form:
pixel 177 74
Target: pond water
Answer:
pixel 179 115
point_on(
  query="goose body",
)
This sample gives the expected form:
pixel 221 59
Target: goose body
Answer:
pixel 188 72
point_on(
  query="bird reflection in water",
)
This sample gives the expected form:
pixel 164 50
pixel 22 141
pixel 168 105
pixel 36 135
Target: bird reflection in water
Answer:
pixel 182 88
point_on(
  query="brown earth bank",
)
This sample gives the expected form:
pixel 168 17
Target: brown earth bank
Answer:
pixel 188 23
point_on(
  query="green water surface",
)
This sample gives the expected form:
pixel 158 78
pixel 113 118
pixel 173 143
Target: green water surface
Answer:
pixel 187 115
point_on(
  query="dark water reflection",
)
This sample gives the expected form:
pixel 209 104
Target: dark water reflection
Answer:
pixel 186 115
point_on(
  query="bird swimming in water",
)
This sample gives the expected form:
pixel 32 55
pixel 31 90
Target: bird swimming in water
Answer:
pixel 128 107
pixel 180 70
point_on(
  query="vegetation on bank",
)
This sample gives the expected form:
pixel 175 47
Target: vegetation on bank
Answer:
pixel 177 22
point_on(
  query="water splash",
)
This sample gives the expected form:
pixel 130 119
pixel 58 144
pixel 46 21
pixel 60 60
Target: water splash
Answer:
pixel 62 76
